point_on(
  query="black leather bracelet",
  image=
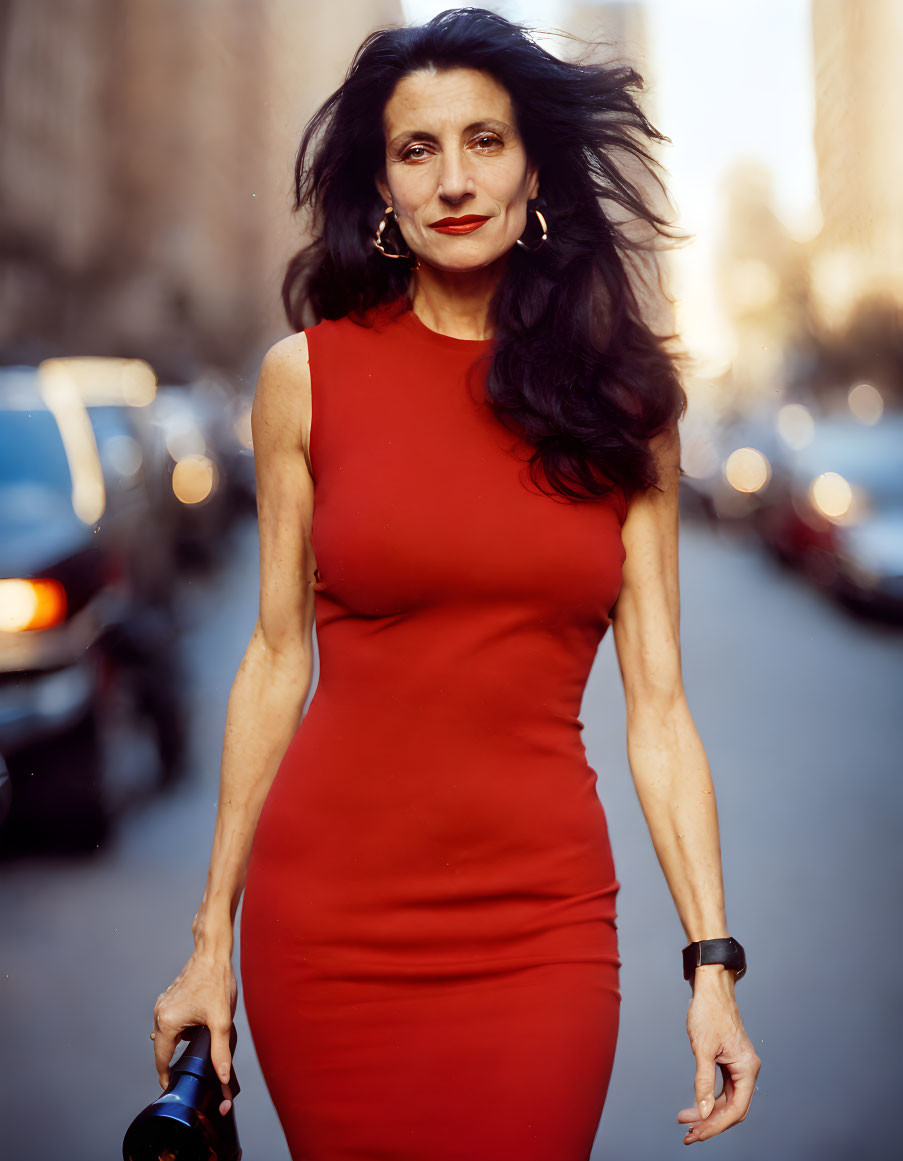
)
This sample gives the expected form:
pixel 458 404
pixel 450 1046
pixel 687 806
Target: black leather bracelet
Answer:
pixel 705 951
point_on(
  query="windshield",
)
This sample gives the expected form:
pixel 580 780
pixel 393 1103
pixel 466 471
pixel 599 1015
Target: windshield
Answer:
pixel 32 452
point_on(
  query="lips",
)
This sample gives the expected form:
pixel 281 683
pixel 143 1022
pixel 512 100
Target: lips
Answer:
pixel 463 225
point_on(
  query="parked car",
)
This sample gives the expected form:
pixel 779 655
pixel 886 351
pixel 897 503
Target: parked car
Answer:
pixel 6 790
pixel 242 471
pixel 90 712
pixel 195 469
pixel 139 514
pixel 118 395
pixel 224 415
pixel 836 511
pixel 730 464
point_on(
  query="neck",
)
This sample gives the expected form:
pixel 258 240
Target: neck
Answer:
pixel 455 302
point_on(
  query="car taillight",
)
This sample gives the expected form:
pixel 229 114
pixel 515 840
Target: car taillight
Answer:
pixel 31 604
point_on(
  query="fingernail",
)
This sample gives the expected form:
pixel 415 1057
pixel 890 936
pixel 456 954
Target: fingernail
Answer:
pixel 704 1106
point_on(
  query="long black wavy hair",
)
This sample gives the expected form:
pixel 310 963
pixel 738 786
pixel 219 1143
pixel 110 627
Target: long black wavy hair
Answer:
pixel 575 369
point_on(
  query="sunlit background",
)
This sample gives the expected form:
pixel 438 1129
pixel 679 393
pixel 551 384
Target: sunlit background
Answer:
pixel 146 158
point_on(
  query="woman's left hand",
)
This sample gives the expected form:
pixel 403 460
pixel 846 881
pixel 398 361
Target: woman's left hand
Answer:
pixel 717 1037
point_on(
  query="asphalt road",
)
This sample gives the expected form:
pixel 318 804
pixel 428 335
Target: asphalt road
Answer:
pixel 799 707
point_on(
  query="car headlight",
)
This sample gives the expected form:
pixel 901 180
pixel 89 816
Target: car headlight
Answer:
pixel 747 469
pixel 834 497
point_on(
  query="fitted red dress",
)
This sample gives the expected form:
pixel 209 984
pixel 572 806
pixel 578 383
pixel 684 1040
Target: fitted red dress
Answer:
pixel 429 952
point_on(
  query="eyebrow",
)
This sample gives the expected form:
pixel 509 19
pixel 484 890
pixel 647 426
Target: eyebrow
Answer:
pixel 425 135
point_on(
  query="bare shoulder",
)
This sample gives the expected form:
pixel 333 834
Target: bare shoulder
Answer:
pixel 282 400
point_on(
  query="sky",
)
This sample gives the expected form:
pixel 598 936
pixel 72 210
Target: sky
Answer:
pixel 728 80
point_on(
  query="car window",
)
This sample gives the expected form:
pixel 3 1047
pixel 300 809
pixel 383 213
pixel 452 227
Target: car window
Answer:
pixel 32 452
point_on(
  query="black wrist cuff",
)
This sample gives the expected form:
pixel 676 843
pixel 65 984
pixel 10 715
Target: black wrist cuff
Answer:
pixel 705 951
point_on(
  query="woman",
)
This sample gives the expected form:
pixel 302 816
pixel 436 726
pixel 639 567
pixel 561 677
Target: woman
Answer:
pixel 488 426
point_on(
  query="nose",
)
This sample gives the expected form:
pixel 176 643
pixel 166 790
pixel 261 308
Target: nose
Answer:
pixel 455 182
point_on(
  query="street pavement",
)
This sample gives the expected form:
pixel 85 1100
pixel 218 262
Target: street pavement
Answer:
pixel 799 707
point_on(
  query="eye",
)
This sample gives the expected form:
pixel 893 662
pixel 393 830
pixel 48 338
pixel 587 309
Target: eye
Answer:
pixel 490 137
pixel 407 153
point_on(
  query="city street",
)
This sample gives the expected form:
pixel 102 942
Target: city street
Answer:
pixel 798 705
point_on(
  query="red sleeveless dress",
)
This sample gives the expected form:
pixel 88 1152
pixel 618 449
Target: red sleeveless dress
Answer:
pixel 429 952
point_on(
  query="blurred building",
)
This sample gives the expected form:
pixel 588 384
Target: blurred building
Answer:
pixel 619 29
pixel 620 24
pixel 762 278
pixel 146 157
pixel 857 54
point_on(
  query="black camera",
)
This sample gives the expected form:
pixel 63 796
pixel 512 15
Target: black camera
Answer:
pixel 185 1124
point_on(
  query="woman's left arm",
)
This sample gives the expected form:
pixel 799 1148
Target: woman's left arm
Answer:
pixel 675 790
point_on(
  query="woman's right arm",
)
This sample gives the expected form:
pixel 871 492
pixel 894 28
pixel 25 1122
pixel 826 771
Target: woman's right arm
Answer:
pixel 265 702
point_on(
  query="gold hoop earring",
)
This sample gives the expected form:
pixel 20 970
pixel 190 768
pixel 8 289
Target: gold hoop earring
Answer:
pixel 378 240
pixel 545 233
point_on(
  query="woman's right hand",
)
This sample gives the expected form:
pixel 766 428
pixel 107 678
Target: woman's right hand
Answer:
pixel 204 992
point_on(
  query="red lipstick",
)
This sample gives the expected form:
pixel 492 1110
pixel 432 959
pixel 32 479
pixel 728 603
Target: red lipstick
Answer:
pixel 466 224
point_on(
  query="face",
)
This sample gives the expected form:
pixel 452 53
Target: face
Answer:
pixel 452 151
